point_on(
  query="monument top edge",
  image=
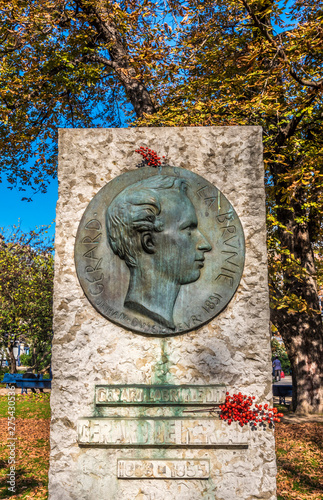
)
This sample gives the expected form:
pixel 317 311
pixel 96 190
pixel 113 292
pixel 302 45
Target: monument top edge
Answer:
pixel 162 386
pixel 128 129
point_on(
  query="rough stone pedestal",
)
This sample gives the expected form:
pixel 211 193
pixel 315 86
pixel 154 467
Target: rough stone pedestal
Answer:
pixel 189 455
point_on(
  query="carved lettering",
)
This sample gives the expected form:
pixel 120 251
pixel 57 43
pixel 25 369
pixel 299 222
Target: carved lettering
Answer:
pixel 159 395
pixel 209 200
pixel 90 254
pixel 229 229
pixel 93 224
pixel 212 302
pixel 165 469
pixel 233 271
pixel 231 256
pixel 199 192
pixel 105 431
pixel 226 216
pixel 196 319
pixel 174 395
pixel 96 289
pixel 229 239
pixel 90 269
pixel 95 280
pixel 225 277
pixel 137 323
pixel 88 241
pixel 124 316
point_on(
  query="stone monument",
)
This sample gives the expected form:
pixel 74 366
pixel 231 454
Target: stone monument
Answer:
pixel 160 309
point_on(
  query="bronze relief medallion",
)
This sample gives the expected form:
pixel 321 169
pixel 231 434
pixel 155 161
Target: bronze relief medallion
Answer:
pixel 159 252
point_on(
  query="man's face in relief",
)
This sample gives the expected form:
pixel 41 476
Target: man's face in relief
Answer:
pixel 180 246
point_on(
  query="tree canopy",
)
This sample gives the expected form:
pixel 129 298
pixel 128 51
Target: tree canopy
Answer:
pixel 87 63
pixel 69 64
pixel 26 291
pixel 260 63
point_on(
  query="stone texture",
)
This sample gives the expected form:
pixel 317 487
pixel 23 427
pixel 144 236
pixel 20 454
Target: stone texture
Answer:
pixel 88 350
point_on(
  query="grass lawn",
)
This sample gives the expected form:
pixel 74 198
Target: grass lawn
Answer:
pixel 298 446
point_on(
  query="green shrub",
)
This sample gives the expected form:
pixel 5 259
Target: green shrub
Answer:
pixel 26 359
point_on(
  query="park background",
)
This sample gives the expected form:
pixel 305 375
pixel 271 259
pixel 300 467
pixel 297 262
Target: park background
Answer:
pixel 90 63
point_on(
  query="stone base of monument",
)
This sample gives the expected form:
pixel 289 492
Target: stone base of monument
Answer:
pixel 135 405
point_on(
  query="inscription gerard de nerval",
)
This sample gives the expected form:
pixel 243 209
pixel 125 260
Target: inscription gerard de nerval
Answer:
pixel 159 253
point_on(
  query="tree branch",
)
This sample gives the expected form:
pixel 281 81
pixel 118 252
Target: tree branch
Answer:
pixel 99 59
pixel 290 129
pixel 119 59
pixel 264 31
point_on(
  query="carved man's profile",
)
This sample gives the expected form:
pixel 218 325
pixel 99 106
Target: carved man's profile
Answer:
pixel 152 225
pixel 159 252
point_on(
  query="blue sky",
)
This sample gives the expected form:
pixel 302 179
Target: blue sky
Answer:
pixel 39 212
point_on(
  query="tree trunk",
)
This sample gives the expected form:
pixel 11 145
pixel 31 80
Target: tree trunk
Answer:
pixel 119 59
pixel 44 370
pixel 12 359
pixel 303 340
pixel 34 358
pixel 38 362
pixel 301 331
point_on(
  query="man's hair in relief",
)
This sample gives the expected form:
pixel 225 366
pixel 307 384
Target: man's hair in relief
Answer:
pixel 136 210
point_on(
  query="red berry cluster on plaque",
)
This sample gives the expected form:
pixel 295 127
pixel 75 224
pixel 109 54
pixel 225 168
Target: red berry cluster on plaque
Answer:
pixel 150 157
pixel 239 408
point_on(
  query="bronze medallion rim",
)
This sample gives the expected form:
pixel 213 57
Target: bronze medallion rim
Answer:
pixel 119 183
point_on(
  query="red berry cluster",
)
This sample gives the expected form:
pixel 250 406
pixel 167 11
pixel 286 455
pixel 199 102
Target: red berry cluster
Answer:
pixel 149 156
pixel 239 408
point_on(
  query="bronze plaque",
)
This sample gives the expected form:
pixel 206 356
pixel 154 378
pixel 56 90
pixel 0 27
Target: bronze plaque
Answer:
pixel 159 252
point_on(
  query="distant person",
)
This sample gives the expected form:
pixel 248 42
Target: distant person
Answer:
pixel 277 369
pixel 321 301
